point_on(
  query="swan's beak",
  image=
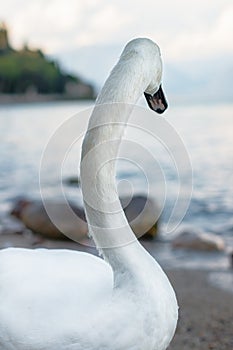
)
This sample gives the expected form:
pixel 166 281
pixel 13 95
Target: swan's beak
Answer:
pixel 157 102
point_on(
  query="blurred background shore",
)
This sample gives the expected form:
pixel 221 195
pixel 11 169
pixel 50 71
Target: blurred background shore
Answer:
pixel 28 75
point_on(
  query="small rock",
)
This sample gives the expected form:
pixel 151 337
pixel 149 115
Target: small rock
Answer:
pixel 72 181
pixel 35 218
pixel 140 211
pixel 231 259
pixel 142 214
pixel 198 240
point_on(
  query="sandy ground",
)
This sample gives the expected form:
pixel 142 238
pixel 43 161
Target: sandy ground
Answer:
pixel 206 312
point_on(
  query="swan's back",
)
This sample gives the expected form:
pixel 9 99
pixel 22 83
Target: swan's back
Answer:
pixel 47 292
pixel 64 300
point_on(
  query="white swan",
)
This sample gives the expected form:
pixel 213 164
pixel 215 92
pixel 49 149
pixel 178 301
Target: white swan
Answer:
pixel 59 299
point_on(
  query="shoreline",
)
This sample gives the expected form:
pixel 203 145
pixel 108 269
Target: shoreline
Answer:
pixel 7 99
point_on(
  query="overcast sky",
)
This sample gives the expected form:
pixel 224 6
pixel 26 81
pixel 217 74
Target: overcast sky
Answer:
pixel 186 30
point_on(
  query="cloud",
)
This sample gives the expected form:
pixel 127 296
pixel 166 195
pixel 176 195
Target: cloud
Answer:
pixel 182 28
pixel 214 41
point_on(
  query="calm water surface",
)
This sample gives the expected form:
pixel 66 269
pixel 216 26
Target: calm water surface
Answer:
pixel 207 134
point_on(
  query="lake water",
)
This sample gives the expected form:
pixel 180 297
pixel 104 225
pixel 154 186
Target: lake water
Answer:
pixel 205 130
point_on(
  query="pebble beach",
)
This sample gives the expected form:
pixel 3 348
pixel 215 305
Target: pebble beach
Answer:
pixel 205 316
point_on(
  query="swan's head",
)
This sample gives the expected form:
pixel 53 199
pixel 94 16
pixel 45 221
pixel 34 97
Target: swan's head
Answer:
pixel 150 53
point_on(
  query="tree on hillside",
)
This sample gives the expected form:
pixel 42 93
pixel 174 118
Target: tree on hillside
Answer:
pixel 29 70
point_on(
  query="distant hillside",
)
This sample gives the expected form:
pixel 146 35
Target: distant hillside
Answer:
pixel 30 72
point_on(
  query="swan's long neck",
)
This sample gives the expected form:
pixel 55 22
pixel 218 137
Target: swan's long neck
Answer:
pixel 106 219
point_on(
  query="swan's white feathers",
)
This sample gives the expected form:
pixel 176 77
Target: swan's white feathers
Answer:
pixel 41 299
pixel 45 291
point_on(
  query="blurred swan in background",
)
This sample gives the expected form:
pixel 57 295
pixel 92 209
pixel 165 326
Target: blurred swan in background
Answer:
pixel 60 299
